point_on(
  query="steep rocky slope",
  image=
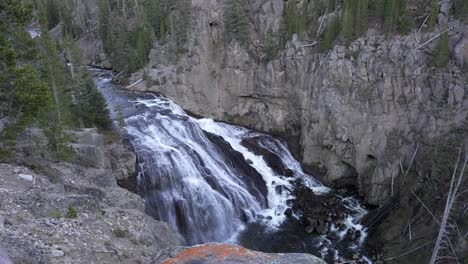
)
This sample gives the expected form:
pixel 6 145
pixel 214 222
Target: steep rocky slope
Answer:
pixel 74 212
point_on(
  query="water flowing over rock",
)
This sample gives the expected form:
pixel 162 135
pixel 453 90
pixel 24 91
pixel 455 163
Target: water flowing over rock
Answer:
pixel 212 180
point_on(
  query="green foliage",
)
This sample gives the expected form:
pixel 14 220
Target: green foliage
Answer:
pixel 434 13
pixel 31 95
pixel 157 15
pixel 442 51
pixel 332 30
pixel 395 16
pixel 236 23
pixel 181 20
pixel 332 4
pixel 23 95
pixel 442 159
pixel 127 45
pixel 120 117
pixel 57 214
pixel 362 17
pixel 291 17
pixel 89 107
pixel 348 21
pixel 354 19
pixel 297 19
pixel 460 9
pixel 52 11
pixel 35 86
pixel 71 212
pixel 270 46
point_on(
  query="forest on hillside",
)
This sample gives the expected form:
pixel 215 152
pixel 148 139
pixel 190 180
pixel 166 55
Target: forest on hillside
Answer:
pixel 43 82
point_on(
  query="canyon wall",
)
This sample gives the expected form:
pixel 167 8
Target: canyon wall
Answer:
pixel 358 111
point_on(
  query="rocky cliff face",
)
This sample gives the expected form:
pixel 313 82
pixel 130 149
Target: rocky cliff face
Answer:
pixel 357 111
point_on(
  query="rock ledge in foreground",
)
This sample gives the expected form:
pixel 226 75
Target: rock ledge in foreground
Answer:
pixel 214 253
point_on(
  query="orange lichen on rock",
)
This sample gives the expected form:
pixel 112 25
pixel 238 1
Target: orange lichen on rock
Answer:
pixel 214 251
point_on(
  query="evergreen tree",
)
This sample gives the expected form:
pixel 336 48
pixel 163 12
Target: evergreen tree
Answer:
pixel 127 45
pixel 390 15
pixel 54 71
pixel 332 30
pixel 442 51
pixel 317 10
pixel 23 95
pixel 52 11
pixel 182 24
pixel 89 107
pixel 291 17
pixel 59 114
pixel 460 9
pixel 394 16
pixel 304 18
pixel 348 22
pixel 434 13
pixel 236 22
pixel 361 17
pixel 332 4
pixel 354 19
pixel 24 92
pixel 155 17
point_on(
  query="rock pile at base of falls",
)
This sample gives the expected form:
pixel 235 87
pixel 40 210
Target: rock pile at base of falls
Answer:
pixel 320 212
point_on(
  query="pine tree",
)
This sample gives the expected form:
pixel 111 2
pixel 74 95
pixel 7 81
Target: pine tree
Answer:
pixel 394 16
pixel 434 13
pixel 331 33
pixel 332 5
pixel 54 71
pixel 460 9
pixel 182 25
pixel 390 15
pixel 304 18
pixel 442 51
pixel 52 10
pixel 361 17
pixel 348 22
pixel 236 23
pixel 89 107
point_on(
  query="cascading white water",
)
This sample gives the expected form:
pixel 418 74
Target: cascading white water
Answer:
pixel 189 181
pixel 200 177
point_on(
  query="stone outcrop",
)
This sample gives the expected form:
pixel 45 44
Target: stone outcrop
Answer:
pixel 223 254
pixel 74 212
pixel 356 110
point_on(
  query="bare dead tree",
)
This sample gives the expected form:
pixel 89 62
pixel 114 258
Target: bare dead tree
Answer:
pixel 451 197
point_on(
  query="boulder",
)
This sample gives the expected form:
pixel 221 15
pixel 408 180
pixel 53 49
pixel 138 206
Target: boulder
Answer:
pixel 214 253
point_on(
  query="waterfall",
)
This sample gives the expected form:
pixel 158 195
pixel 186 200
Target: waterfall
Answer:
pixel 209 179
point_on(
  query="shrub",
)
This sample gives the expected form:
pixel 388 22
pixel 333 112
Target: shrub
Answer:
pixel 71 212
pixel 119 232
